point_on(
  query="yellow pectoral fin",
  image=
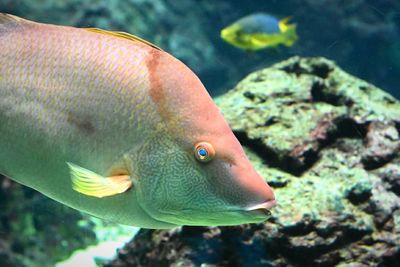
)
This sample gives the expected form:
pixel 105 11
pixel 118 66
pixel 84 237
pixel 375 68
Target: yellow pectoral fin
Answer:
pixel 92 184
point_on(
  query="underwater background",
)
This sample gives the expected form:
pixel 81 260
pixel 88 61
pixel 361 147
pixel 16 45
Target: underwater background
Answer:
pixel 361 36
pixel 338 178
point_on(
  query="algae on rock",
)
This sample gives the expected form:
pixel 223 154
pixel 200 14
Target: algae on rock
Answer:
pixel 329 145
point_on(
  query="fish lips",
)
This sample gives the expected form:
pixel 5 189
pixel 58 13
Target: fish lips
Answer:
pixel 263 208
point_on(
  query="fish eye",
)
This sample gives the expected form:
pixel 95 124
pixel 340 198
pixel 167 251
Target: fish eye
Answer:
pixel 204 152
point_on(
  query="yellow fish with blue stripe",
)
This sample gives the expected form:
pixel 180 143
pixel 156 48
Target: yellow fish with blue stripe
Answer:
pixel 260 31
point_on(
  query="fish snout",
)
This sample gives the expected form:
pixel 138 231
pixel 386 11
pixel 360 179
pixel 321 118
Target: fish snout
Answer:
pixel 264 197
pixel 226 34
pixel 258 194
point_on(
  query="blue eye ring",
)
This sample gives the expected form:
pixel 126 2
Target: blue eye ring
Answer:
pixel 204 151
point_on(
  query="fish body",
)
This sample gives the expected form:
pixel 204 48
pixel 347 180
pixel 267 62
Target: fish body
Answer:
pixel 260 31
pixel 109 124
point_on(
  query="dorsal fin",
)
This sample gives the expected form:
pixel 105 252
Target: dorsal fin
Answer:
pixel 124 35
pixel 6 18
pixel 11 19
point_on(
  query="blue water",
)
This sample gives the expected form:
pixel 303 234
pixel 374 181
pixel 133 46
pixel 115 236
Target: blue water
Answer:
pixel 362 37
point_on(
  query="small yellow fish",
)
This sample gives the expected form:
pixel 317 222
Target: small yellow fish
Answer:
pixel 259 31
pixel 111 125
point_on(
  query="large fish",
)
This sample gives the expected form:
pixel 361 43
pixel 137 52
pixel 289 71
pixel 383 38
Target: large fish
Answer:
pixel 111 125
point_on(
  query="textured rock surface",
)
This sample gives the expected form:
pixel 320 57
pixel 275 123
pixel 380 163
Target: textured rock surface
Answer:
pixel 329 144
pixel 36 231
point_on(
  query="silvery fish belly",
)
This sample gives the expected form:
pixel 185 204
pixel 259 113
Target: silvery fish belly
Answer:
pixel 111 125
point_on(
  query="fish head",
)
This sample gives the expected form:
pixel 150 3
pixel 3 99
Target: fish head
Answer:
pixel 195 172
pixel 232 34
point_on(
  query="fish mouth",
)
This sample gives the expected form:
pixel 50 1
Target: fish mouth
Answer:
pixel 263 208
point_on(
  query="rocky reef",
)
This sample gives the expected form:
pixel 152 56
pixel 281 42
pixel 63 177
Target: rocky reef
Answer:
pixel 329 145
pixel 35 231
